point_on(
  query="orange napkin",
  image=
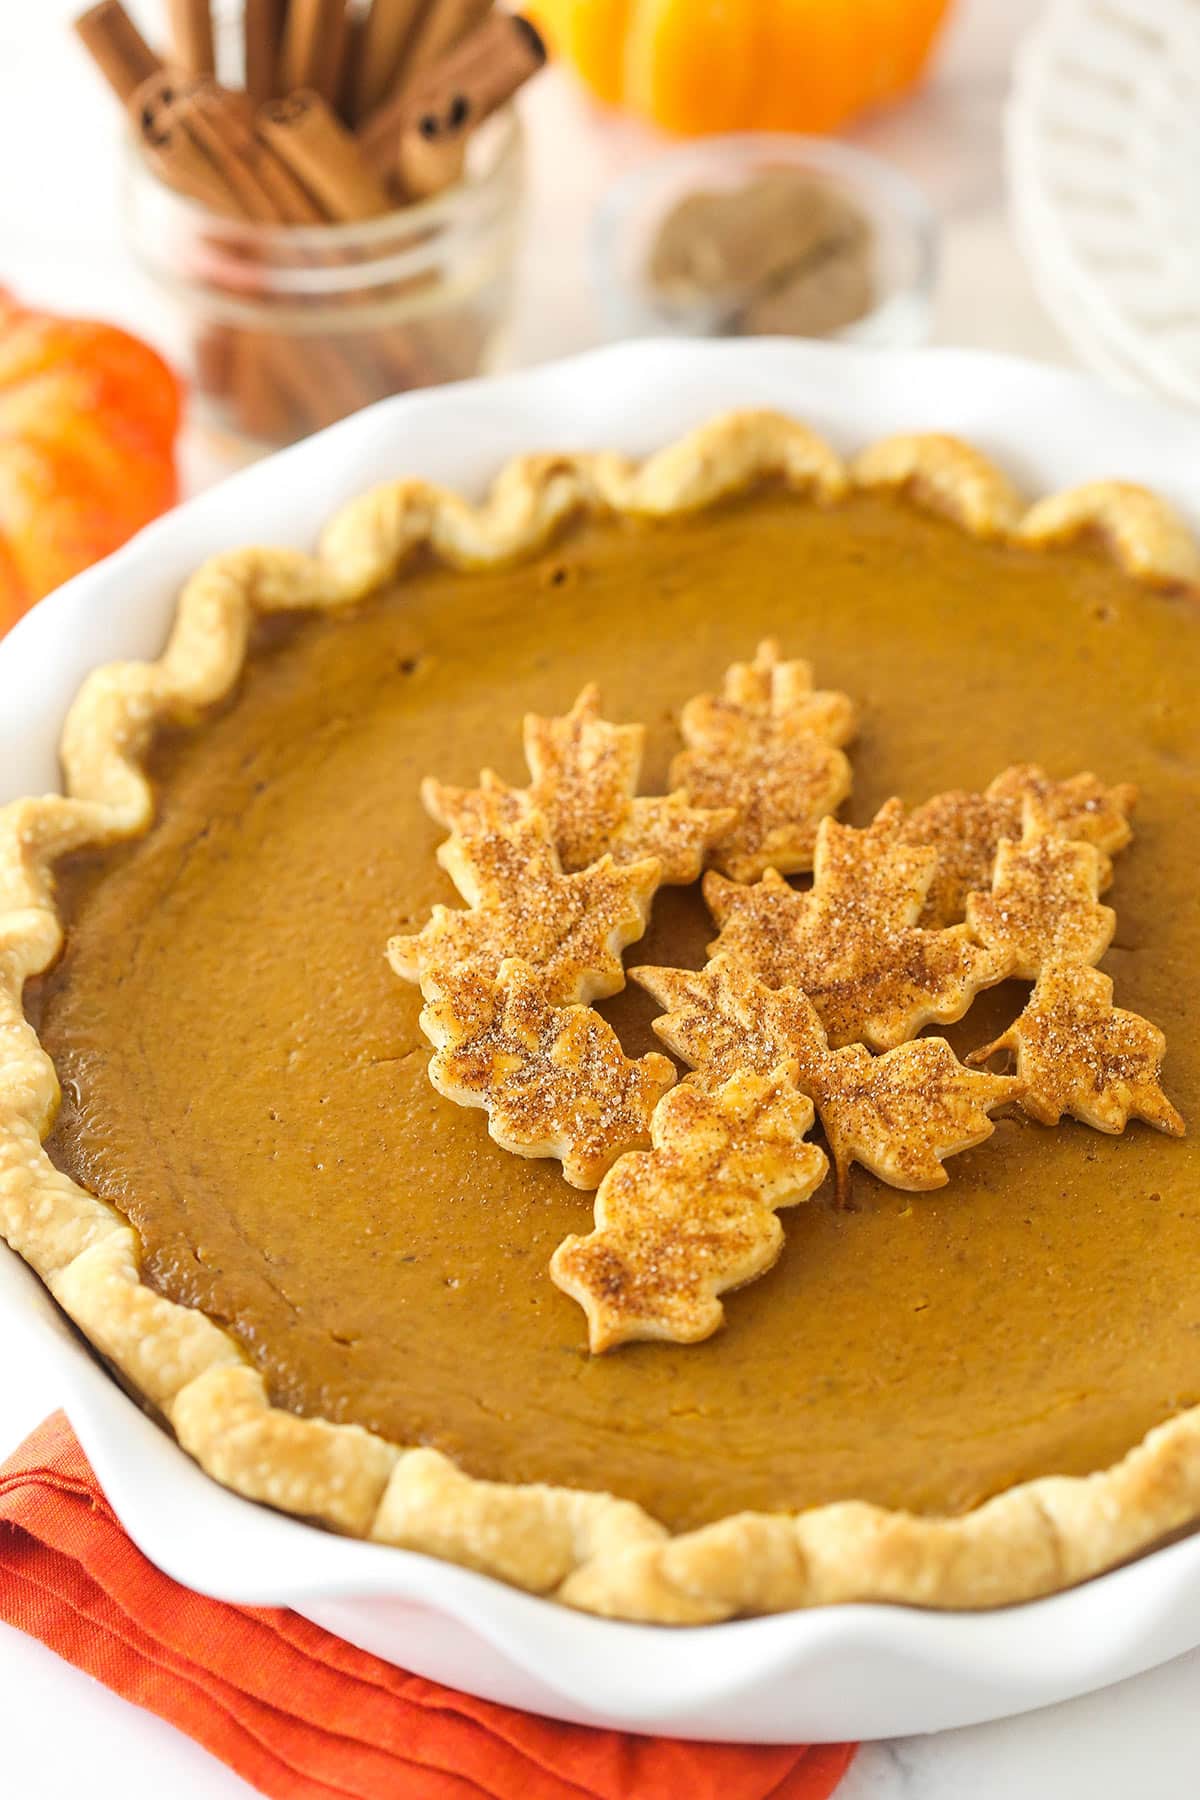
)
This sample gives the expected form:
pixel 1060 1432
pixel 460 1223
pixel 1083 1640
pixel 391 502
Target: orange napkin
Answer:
pixel 300 1714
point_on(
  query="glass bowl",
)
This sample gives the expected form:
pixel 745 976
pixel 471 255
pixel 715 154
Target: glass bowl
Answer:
pixel 903 234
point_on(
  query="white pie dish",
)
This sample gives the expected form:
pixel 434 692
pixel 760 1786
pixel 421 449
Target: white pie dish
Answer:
pixel 860 1671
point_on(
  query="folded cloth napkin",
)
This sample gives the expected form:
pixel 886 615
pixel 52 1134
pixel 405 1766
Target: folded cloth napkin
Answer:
pixel 297 1712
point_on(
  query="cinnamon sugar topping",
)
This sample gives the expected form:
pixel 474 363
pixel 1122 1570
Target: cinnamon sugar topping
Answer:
pixel 1043 905
pixel 852 943
pixel 570 928
pixel 769 746
pixel 801 986
pixel 679 1224
pixel 966 828
pixel 1077 1053
pixel 553 1079
pixel 583 780
pixel 899 1115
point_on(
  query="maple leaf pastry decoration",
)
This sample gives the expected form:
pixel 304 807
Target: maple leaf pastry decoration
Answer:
pixel 679 1224
pixel 900 1114
pixel 1077 1053
pixel 852 942
pixel 553 1080
pixel 583 781
pixel 966 829
pixel 571 928
pixel 769 746
pixel 1043 905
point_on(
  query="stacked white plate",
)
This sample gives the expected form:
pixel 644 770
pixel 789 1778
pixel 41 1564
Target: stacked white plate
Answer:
pixel 1104 183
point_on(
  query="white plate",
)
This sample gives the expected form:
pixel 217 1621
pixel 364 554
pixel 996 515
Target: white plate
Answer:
pixel 866 1671
pixel 1103 152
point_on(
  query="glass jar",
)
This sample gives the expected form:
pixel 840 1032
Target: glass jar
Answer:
pixel 285 329
pixel 901 228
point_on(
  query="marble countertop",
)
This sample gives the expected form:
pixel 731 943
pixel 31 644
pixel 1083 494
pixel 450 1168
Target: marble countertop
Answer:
pixel 63 1733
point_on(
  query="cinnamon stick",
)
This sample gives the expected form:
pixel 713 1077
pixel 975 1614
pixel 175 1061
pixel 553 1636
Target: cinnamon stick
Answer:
pixel 314 144
pixel 484 71
pixel 262 37
pixel 169 148
pixel 324 155
pixel 266 188
pixel 262 405
pixel 351 67
pixel 443 25
pixel 425 166
pixel 314 44
pixel 117 47
pixel 452 98
pixel 214 353
pixel 192 36
pixel 316 377
pixel 387 34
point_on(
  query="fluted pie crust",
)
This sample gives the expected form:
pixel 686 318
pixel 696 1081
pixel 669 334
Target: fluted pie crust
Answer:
pixel 586 1549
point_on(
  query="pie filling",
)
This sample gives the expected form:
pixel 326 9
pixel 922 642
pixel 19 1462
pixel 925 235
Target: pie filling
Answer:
pixel 244 1077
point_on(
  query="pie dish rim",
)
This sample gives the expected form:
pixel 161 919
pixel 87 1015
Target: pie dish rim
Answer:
pixel 590 1550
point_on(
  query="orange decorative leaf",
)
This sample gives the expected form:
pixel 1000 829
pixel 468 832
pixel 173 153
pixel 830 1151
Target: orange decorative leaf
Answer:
pixel 1077 1053
pixel 553 1080
pixel 677 1225
pixel 852 942
pixel 769 747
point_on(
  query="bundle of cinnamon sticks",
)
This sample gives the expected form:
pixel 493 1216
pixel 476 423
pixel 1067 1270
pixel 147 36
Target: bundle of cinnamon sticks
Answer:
pixel 329 112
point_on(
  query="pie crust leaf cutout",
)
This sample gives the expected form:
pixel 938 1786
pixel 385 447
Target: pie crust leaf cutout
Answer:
pixel 899 1115
pixel 1080 807
pixel 966 829
pixel 1077 1053
pixel 769 746
pixel 583 781
pixel 852 942
pixel 903 1113
pixel 679 1224
pixel 1044 903
pixel 553 1080
pixel 570 928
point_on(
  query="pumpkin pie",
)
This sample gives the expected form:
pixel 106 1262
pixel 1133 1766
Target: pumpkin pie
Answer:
pixel 222 1150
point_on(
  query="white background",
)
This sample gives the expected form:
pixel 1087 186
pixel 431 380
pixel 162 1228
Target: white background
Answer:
pixel 60 1733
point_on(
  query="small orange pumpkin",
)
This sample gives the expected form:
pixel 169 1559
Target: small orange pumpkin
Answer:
pixel 88 421
pixel 699 66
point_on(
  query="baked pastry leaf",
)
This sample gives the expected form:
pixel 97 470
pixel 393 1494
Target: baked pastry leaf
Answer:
pixel 900 1114
pixel 570 928
pixel 1043 905
pixel 1077 1053
pixel 769 746
pixel 553 1080
pixel 852 942
pixel 679 1224
pixel 966 828
pixel 583 781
